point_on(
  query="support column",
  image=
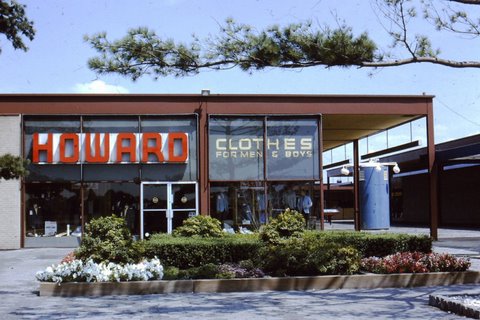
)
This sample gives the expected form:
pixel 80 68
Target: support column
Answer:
pixel 356 184
pixel 432 174
pixel 203 157
pixel 320 173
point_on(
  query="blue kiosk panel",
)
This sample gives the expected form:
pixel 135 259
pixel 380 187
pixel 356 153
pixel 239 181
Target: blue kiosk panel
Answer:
pixel 374 198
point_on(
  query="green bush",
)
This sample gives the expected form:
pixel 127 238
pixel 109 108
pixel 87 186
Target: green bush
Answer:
pixel 305 256
pixel 187 252
pixel 170 273
pixel 107 239
pixel 287 224
pixel 371 244
pixel 201 226
pixel 207 271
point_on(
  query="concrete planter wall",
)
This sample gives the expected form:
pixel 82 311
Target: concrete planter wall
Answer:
pixel 366 281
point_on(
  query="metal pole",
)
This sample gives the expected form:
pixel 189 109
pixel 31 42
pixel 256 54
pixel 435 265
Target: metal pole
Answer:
pixel 356 182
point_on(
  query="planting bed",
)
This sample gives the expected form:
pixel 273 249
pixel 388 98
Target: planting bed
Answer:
pixel 365 281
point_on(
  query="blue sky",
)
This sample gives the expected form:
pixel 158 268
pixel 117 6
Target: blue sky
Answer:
pixel 57 59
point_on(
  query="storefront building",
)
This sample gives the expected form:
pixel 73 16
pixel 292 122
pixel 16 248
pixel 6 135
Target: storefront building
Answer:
pixel 158 159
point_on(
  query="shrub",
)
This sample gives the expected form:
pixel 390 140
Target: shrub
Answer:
pixel 107 239
pixel 201 226
pixel 287 224
pixel 305 256
pixel 207 271
pixel 370 244
pixel 244 269
pixel 170 273
pixel 184 252
pixel 415 262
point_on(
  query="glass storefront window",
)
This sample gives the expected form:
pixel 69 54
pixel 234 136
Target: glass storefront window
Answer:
pixel 52 209
pixel 107 198
pixel 110 178
pixel 299 196
pixel 244 204
pixel 117 124
pixel 235 148
pixel 236 151
pixel 44 125
pixel 112 171
pixel 239 204
pixel 178 171
pixel 292 149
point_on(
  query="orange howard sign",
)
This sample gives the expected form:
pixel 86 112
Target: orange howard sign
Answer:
pixel 149 147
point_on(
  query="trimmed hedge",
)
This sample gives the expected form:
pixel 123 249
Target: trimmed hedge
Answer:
pixel 190 252
pixel 305 256
pixel 374 244
pixel 185 252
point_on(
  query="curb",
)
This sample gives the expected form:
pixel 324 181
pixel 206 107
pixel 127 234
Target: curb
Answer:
pixel 446 303
pixel 364 281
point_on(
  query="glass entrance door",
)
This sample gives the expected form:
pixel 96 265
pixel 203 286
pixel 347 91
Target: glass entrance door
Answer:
pixel 165 205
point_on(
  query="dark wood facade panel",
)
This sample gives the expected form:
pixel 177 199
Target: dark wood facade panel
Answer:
pixel 215 104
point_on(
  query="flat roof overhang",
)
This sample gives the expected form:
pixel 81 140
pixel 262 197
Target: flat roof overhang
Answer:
pixel 345 117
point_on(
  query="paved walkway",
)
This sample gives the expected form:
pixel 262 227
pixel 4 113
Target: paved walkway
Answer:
pixel 19 299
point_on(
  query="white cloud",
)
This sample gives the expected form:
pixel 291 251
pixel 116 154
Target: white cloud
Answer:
pixel 98 86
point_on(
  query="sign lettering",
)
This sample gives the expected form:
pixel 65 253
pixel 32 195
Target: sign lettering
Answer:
pixel 150 147
pixel 291 147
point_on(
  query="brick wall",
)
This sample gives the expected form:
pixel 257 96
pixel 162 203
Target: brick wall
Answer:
pixel 10 142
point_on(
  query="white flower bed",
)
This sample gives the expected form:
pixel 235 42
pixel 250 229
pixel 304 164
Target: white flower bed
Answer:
pixel 78 271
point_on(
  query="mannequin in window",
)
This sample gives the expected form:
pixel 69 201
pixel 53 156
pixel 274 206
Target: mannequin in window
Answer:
pixel 35 218
pixel 222 204
pixel 246 213
pixel 128 213
pixel 261 207
pixel 289 199
pixel 305 204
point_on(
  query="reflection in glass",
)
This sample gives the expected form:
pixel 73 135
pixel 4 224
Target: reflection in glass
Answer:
pixel 110 172
pixel 244 204
pixel 172 172
pixel 292 149
pixel 239 204
pixel 154 222
pixel 298 196
pixel 183 196
pixel 180 216
pixel 52 209
pixel 155 196
pixel 236 149
pixel 109 124
pixel 50 124
pixel 107 198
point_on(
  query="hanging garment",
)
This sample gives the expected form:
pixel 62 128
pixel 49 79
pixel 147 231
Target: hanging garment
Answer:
pixel 289 199
pixel 222 202
pixel 306 204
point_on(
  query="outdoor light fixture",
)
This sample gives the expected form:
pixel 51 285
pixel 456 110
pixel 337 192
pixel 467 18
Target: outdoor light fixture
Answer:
pixel 396 168
pixel 372 163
